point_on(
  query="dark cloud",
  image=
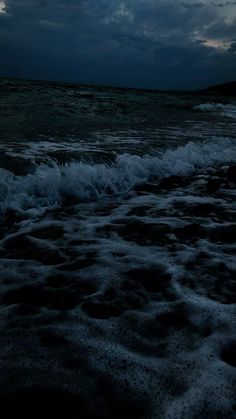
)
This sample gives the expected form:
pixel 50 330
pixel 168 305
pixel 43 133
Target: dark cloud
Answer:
pixel 146 43
pixel 232 48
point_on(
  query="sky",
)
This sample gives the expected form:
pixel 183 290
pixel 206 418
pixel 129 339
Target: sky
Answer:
pixel 154 44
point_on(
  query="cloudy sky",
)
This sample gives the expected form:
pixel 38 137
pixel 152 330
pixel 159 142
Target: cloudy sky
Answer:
pixel 139 43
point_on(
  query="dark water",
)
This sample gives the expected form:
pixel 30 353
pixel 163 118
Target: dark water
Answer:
pixel 117 250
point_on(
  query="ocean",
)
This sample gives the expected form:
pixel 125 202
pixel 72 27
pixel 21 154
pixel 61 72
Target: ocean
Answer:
pixel 118 227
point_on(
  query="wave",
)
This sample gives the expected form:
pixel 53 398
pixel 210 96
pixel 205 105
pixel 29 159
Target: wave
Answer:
pixel 50 185
pixel 228 110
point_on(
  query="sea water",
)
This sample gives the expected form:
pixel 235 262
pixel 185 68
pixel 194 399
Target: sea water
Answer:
pixel 118 248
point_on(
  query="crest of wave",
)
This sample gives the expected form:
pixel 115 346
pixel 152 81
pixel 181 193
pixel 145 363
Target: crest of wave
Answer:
pixel 50 185
pixel 227 110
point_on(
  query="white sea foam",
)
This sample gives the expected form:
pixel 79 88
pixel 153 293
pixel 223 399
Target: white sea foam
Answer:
pixel 50 184
pixel 227 110
pixel 135 334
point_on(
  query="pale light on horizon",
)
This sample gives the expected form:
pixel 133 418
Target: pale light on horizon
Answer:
pixel 2 7
pixel 218 44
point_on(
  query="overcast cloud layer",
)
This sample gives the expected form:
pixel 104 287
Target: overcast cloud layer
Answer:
pixel 143 43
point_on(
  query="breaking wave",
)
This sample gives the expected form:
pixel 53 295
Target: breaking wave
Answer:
pixel 51 184
pixel 228 110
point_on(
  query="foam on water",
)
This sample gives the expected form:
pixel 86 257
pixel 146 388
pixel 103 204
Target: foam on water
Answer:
pixel 49 185
pixel 127 301
pixel 118 286
pixel 227 110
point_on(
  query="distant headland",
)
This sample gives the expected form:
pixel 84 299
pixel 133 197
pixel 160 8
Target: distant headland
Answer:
pixel 228 89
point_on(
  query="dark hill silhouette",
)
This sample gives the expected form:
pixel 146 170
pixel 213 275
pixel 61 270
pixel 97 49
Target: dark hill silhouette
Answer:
pixel 228 89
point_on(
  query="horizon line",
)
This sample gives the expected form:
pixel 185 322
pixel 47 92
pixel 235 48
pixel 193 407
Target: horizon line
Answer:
pixel 121 87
